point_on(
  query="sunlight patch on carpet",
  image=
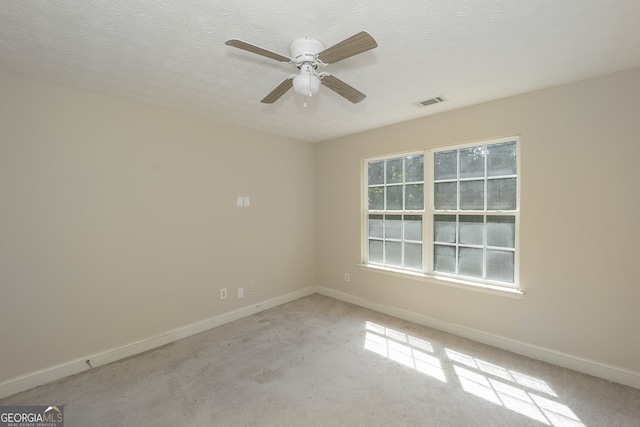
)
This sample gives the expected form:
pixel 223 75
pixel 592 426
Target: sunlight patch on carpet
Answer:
pixel 404 349
pixel 521 393
pixel 518 392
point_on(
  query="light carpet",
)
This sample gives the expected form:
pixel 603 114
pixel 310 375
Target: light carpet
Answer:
pixel 321 362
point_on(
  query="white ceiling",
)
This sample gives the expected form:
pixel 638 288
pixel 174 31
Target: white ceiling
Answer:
pixel 172 53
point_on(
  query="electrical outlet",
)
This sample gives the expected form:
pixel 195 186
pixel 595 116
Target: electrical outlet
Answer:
pixel 252 286
pixel 223 293
pixel 346 277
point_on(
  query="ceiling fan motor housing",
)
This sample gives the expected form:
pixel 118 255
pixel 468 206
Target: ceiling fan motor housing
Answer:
pixel 304 50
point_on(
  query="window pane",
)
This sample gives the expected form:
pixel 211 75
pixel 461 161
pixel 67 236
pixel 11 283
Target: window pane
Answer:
pixel 444 258
pixel 393 253
pixel 446 196
pixel 470 263
pixel 445 165
pixel 502 159
pixel 375 226
pixel 471 229
pixel 500 266
pixel 444 228
pixel 414 168
pixel 501 194
pixel 375 251
pixel 413 227
pixel 413 255
pixel 393 227
pixel 376 173
pixel 394 171
pixel 376 198
pixel 394 197
pixel 414 194
pixel 472 162
pixel 472 195
pixel 501 231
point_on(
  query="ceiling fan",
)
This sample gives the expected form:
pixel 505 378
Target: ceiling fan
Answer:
pixel 308 55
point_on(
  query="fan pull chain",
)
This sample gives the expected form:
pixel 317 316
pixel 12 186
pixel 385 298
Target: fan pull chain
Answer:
pixel 310 92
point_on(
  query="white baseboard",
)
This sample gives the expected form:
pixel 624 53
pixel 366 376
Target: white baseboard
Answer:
pixel 591 367
pixel 47 375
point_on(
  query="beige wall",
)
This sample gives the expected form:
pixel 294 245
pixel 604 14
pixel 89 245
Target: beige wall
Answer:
pixel 119 221
pixel 580 208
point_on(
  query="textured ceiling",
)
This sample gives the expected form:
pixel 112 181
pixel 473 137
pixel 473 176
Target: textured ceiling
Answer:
pixel 172 53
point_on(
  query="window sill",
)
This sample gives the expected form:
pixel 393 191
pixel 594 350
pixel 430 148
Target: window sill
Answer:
pixel 445 281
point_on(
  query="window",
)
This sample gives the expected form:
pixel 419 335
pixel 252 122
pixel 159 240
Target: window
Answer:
pixel 395 211
pixel 454 216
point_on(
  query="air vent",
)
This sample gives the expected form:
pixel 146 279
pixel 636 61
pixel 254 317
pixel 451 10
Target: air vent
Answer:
pixel 436 100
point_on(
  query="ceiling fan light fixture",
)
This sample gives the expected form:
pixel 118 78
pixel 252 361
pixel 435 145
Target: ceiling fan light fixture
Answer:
pixel 306 83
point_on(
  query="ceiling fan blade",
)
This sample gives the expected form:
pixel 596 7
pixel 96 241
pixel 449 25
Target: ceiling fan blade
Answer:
pixel 275 94
pixel 351 46
pixel 343 89
pixel 256 49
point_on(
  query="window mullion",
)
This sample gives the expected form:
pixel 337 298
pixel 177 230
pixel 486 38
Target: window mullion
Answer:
pixel 427 218
pixel 484 217
pixel 458 179
pixel 486 175
pixel 457 244
pixel 457 237
pixel 484 246
pixel 404 206
pixel 384 230
pixel 384 193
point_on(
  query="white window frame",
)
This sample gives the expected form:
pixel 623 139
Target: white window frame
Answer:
pixel 401 212
pixel 427 274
